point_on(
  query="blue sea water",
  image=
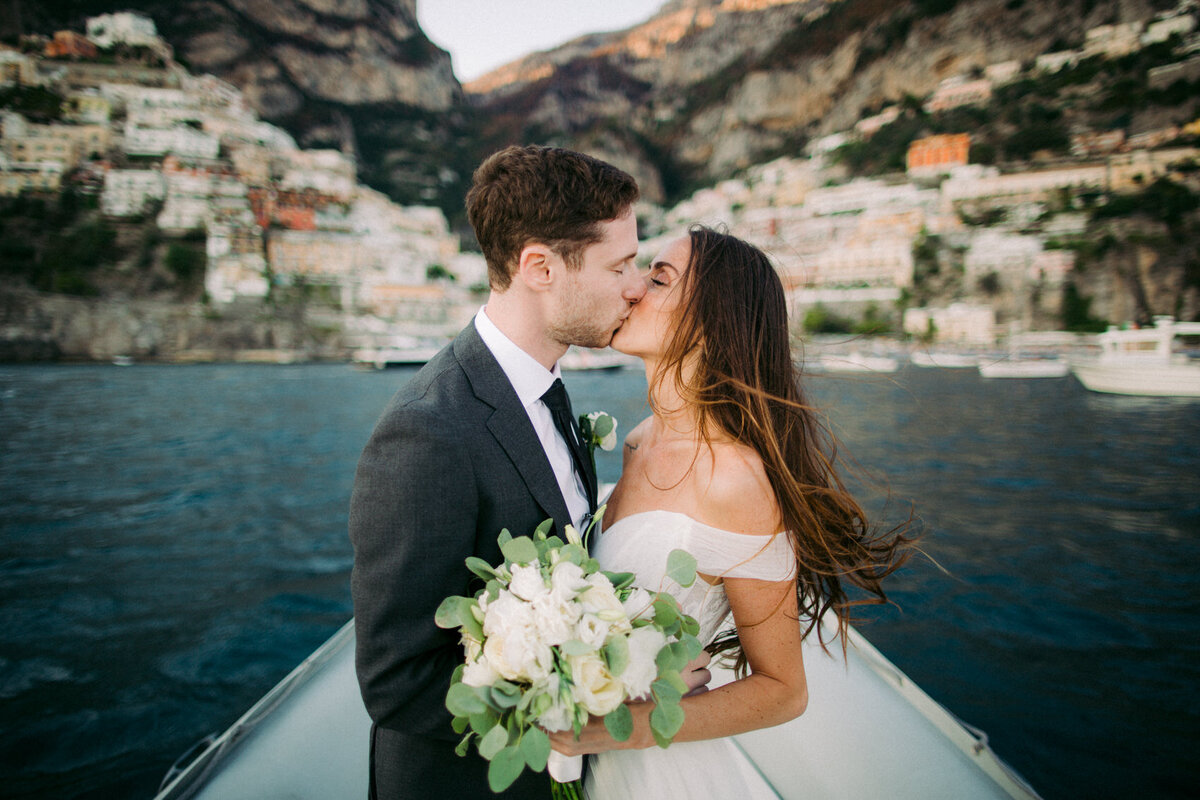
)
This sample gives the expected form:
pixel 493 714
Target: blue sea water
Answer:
pixel 173 541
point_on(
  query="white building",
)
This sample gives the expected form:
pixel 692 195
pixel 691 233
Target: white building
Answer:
pixel 959 323
pixel 1113 41
pixel 1056 62
pixel 1009 255
pixel 1163 29
pixel 125 27
pixel 180 140
pixel 1021 186
pixel 127 192
pixel 884 261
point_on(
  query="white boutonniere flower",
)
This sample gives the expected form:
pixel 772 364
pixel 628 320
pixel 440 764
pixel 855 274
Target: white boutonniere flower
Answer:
pixel 599 429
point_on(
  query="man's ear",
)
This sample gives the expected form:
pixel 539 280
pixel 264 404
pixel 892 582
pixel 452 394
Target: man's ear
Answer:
pixel 535 266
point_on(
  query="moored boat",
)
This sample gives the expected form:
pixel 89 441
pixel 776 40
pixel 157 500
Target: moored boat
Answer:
pixel 943 359
pixel 1142 361
pixel 869 731
pixel 1025 368
pixel 855 362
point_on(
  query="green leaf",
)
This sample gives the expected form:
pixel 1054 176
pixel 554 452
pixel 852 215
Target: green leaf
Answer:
pixel 681 567
pixel 544 527
pixel 493 742
pixel 505 694
pixel 504 538
pixel 506 766
pixel 521 550
pixel 480 567
pixel 447 615
pixel 484 721
pixel 616 654
pixel 667 692
pixel 459 724
pixel 674 680
pixel 575 648
pixel 535 748
pixel 466 619
pixel 665 721
pixel 620 580
pixel 461 747
pixel 619 723
pixel 462 700
pixel 665 612
pixel 603 426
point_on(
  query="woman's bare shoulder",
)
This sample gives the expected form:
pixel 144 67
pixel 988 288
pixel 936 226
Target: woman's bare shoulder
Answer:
pixel 738 496
pixel 634 437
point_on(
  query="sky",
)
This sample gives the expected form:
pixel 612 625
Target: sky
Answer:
pixel 481 35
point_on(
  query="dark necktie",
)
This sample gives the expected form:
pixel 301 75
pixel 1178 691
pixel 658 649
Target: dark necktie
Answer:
pixel 559 404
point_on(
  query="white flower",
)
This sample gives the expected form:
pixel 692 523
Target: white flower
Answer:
pixel 527 582
pixel 640 672
pixel 512 646
pixel 601 599
pixel 640 603
pixel 594 687
pixel 554 618
pixel 478 670
pixel 592 631
pixel 560 713
pixel 567 580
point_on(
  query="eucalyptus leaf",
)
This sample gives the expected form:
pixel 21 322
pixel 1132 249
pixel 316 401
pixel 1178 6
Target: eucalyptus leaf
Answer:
pixel 665 721
pixel 535 748
pixel 466 619
pixel 480 567
pixel 483 721
pixel 461 747
pixel 620 580
pixel 603 426
pixel 665 612
pixel 462 701
pixel 575 648
pixel 616 655
pixel 506 766
pixel 681 567
pixel 619 723
pixel 544 527
pixel 447 615
pixel 502 699
pixel 459 724
pixel 666 692
pixel 493 742
pixel 504 537
pixel 520 550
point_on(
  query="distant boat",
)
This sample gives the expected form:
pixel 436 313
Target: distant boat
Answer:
pixel 384 357
pixel 943 359
pixel 123 361
pixel 869 731
pixel 581 358
pixel 1141 361
pixel 855 362
pixel 1017 367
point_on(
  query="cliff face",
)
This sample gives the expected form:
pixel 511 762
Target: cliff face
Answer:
pixel 708 87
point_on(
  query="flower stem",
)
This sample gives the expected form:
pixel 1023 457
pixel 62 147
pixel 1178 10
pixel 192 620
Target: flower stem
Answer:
pixel 572 790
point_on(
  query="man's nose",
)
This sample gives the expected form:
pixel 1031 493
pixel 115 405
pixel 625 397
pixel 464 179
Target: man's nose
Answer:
pixel 635 287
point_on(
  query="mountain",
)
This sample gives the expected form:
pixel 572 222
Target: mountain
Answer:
pixel 708 87
pixel 357 75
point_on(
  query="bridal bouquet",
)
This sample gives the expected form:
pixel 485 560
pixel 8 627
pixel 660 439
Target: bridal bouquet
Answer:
pixel 552 639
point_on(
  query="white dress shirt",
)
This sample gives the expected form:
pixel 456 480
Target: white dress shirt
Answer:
pixel 530 380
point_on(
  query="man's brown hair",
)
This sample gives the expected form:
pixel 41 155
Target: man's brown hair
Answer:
pixel 543 194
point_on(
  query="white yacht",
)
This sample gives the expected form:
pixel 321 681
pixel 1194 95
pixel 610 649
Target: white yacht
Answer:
pixel 1142 361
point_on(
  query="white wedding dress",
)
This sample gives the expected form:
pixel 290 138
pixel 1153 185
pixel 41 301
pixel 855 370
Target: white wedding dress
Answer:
pixel 640 543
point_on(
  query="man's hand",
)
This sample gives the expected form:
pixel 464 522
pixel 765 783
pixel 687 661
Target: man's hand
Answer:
pixel 696 674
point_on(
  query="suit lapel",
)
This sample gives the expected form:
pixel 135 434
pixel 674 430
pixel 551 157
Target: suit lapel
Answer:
pixel 509 423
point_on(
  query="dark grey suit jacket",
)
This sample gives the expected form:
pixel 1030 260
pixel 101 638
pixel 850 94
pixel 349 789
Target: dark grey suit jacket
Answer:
pixel 452 461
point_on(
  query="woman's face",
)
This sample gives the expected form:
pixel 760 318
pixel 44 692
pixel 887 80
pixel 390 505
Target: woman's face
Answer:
pixel 649 327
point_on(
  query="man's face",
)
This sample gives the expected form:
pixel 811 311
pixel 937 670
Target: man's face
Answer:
pixel 593 301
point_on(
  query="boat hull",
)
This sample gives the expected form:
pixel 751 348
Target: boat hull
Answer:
pixel 869 731
pixel 1153 380
pixel 1038 368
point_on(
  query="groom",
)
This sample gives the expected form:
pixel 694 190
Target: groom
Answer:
pixel 470 446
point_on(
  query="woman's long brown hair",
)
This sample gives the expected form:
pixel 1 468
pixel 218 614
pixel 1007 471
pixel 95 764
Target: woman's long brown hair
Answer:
pixel 733 327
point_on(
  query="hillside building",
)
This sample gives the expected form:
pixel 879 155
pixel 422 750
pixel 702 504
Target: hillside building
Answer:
pixel 934 155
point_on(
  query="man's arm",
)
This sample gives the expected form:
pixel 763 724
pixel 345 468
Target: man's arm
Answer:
pixel 412 522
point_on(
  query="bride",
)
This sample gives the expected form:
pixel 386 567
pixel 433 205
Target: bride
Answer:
pixel 734 467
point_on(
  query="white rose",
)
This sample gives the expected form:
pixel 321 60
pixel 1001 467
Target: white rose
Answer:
pixel 640 603
pixel 594 686
pixel 640 672
pixel 478 670
pixel 527 582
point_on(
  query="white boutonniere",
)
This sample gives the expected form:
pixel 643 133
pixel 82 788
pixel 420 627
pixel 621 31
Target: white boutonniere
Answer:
pixel 599 429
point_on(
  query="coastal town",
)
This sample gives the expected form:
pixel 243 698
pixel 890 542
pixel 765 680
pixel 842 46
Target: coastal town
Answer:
pixel 145 139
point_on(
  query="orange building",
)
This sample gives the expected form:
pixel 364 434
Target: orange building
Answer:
pixel 935 154
pixel 68 44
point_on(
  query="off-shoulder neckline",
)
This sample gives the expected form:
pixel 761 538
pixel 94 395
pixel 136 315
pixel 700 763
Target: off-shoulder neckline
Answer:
pixel 685 515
